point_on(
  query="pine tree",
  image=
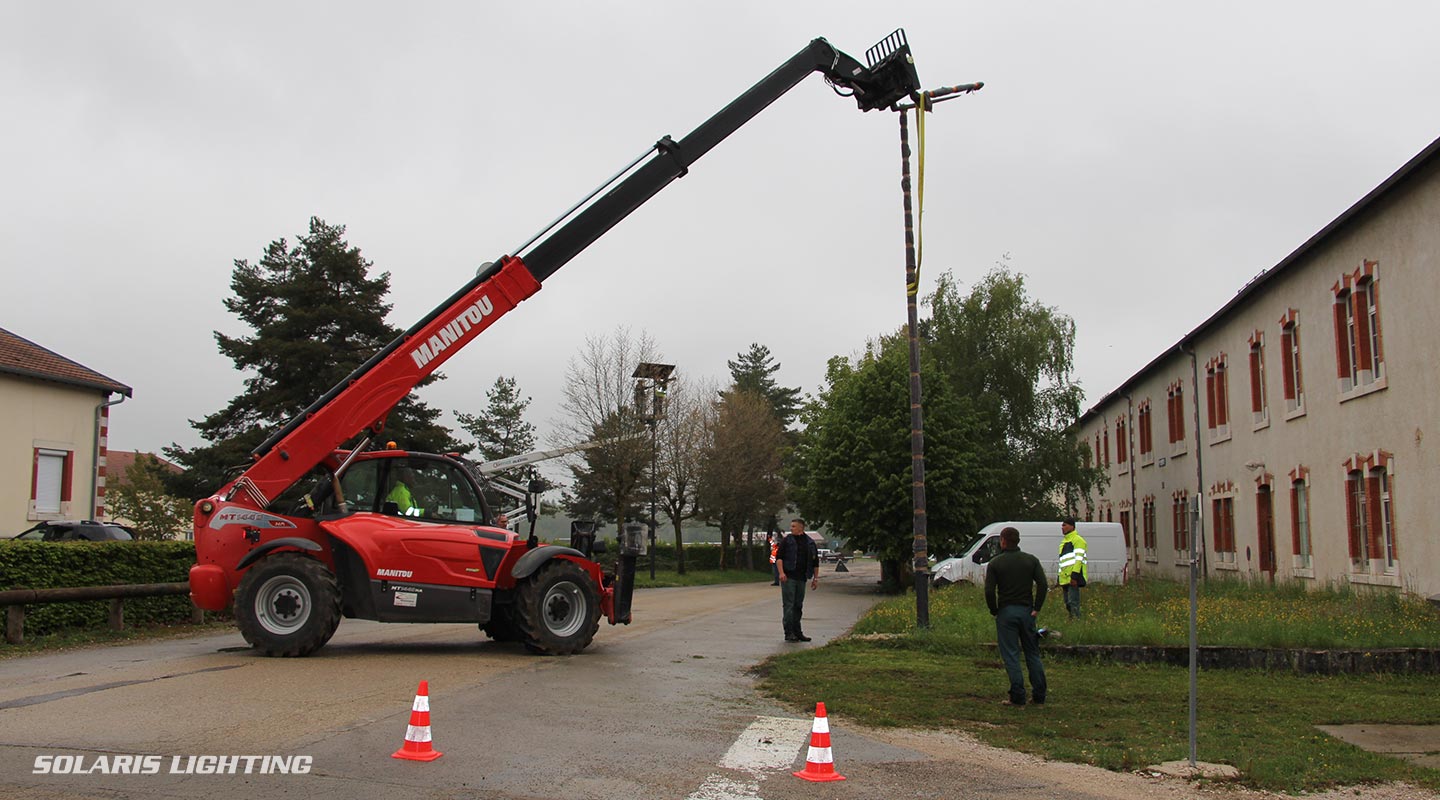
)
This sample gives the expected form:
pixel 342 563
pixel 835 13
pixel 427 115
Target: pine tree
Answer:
pixel 753 372
pixel 316 314
pixel 501 431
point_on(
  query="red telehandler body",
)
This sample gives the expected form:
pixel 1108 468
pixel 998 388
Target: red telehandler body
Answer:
pixel 314 530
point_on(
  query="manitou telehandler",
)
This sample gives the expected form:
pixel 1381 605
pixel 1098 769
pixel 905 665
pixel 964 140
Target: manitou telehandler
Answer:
pixel 314 530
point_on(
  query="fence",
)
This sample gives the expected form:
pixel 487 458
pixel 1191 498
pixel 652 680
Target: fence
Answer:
pixel 15 600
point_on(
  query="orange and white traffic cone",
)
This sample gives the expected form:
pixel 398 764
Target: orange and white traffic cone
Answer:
pixel 417 736
pixel 819 764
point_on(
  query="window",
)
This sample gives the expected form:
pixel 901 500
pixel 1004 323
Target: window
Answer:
pixel 1370 514
pixel 1121 451
pixel 1217 398
pixel 1265 526
pixel 1223 513
pixel 1180 522
pixel 1106 440
pixel 1291 377
pixel 1147 437
pixel 1359 357
pixel 1147 522
pixel 1259 402
pixel 1098 462
pixel 1300 517
pixel 51 480
pixel 1175 402
pixel 1125 527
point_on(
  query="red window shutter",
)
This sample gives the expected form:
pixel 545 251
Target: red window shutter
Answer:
pixel 1222 396
pixel 1362 329
pixel 1352 521
pixel 1107 451
pixel 34 474
pixel 1179 415
pixel 1210 398
pixel 1374 512
pixel 1342 343
pixel 1287 361
pixel 1170 416
pixel 1120 451
pixel 67 477
pixel 1219 535
pixel 1255 381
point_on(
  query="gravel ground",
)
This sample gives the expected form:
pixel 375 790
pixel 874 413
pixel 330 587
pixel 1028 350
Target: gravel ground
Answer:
pixel 970 756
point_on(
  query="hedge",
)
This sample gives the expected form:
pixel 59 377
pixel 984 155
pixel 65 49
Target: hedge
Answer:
pixel 53 565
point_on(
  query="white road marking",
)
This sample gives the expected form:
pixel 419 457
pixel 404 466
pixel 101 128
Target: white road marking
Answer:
pixel 769 743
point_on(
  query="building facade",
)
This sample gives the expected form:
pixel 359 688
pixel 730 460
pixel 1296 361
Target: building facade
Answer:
pixel 52 435
pixel 1302 420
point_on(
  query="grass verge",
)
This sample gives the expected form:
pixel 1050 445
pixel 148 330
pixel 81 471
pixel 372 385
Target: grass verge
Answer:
pixel 1120 717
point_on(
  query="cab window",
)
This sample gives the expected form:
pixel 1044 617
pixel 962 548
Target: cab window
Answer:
pixel 429 489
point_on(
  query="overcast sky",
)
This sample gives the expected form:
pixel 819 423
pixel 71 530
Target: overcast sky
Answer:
pixel 1123 155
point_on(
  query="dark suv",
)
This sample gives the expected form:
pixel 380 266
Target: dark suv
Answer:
pixel 77 531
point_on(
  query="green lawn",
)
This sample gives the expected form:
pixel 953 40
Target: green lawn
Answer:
pixel 1128 716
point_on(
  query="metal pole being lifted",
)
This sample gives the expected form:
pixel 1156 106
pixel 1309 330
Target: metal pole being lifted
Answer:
pixel 920 546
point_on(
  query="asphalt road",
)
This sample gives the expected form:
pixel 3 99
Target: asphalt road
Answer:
pixel 648 711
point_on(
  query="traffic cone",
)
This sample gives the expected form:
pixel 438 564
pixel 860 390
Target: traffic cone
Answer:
pixel 819 764
pixel 417 736
pixel 840 566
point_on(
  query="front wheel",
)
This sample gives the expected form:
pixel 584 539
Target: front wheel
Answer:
pixel 288 605
pixel 558 609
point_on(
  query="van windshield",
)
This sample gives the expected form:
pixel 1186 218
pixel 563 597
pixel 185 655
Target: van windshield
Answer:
pixel 987 551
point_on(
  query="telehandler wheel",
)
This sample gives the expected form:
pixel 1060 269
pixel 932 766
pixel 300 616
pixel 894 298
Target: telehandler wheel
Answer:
pixel 288 605
pixel 502 627
pixel 558 609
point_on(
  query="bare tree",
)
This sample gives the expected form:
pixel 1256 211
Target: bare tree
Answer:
pixel 599 405
pixel 740 471
pixel 683 437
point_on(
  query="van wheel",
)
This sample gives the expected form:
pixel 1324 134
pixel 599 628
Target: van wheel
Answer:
pixel 557 609
pixel 288 605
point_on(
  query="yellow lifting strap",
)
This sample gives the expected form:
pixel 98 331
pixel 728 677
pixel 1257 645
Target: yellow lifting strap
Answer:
pixel 913 288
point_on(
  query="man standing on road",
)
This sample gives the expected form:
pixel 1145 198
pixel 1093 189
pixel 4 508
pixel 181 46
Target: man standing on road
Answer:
pixel 1072 566
pixel 1009 580
pixel 799 559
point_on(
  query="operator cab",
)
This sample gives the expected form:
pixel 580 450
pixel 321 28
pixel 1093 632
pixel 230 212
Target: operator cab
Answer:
pixel 394 483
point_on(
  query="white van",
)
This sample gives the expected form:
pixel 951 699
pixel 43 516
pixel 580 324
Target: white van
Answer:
pixel 1104 552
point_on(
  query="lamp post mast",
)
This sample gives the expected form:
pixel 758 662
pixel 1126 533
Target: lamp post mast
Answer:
pixel 650 382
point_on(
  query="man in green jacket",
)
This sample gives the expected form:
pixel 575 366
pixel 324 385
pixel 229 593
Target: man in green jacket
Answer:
pixel 1015 586
pixel 1072 562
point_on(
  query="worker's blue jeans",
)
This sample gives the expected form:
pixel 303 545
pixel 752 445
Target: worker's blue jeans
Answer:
pixel 792 603
pixel 1014 632
pixel 1072 600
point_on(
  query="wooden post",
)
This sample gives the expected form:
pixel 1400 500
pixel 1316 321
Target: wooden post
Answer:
pixel 15 624
pixel 117 614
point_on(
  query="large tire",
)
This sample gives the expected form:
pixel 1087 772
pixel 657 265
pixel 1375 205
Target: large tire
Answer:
pixel 558 609
pixel 288 605
pixel 502 627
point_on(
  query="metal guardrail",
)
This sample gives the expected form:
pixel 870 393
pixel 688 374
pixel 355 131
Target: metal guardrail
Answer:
pixel 15 600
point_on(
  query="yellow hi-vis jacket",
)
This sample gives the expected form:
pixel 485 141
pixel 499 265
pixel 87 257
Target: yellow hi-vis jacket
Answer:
pixel 1072 558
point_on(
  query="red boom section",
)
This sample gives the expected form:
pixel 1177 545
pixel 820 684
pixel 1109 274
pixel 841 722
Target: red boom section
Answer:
pixel 369 398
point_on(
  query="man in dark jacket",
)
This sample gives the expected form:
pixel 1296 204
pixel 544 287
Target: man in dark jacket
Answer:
pixel 799 559
pixel 1009 581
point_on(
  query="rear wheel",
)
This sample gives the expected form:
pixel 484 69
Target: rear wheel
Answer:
pixel 557 609
pixel 288 605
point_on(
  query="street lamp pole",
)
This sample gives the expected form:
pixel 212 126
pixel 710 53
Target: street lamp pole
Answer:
pixel 651 380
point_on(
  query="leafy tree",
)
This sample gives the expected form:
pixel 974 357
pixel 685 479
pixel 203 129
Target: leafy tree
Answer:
pixel 852 463
pixel 315 314
pixel 599 405
pixel 740 482
pixel 681 441
pixel 142 500
pixel 1011 357
pixel 753 371
pixel 502 430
